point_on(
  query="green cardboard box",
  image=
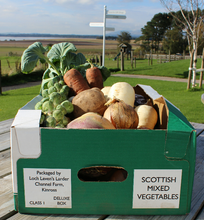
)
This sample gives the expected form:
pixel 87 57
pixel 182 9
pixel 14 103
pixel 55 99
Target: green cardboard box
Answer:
pixel 159 165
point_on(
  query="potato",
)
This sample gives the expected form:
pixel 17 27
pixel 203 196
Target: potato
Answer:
pixel 90 100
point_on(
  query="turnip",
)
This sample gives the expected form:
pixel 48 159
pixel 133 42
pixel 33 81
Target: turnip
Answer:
pixel 122 91
pixel 147 116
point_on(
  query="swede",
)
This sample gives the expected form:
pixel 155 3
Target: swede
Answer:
pixel 90 120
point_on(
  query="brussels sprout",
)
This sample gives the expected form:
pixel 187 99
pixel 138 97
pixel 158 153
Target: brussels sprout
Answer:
pixel 62 109
pixel 44 99
pixel 47 107
pixel 68 105
pixel 56 79
pixel 52 89
pixel 58 115
pixel 59 125
pixel 38 105
pixel 65 121
pixel 55 97
pixel 45 93
pixel 63 96
pixel 58 86
pixel 50 121
pixel 61 82
pixel 65 89
pixel 50 83
pixel 42 118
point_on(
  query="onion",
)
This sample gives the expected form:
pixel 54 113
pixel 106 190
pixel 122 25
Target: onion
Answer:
pixel 121 115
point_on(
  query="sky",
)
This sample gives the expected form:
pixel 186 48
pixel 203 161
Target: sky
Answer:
pixel 74 16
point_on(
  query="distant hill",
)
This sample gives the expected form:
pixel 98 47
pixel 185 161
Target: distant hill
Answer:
pixel 47 35
pixel 110 36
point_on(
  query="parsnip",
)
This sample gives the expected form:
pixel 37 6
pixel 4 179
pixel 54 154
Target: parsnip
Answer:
pixel 147 117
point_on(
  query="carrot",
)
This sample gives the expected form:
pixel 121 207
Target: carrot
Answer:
pixel 94 77
pixel 75 81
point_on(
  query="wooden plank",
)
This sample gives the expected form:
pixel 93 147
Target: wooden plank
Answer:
pixel 199 127
pixel 5 163
pixel 19 216
pixel 6 196
pixel 4 141
pixel 5 125
pixel 201 215
pixel 146 217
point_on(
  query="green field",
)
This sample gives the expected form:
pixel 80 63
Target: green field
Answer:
pixel 189 102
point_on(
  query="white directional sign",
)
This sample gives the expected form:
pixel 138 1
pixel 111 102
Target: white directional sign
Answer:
pixel 112 14
pixel 116 12
pixel 96 24
pixel 110 29
pixel 116 16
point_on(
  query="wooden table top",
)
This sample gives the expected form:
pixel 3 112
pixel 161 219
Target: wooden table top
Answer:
pixel 6 194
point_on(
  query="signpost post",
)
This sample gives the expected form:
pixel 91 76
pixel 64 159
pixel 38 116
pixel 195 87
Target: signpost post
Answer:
pixel 110 14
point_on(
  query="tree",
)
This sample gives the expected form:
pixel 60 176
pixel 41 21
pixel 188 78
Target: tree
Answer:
pixel 174 41
pixel 154 30
pixel 190 22
pixel 124 37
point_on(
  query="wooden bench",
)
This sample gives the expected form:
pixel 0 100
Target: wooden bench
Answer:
pixel 6 194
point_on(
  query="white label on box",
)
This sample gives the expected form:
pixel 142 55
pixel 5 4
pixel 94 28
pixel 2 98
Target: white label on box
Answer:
pixel 154 189
pixel 47 188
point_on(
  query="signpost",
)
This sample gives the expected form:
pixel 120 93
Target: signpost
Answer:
pixel 110 14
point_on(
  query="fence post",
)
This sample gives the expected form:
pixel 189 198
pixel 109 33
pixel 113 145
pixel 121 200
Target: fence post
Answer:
pixel 0 79
pixel 169 56
pixel 118 62
pixel 135 61
pixel 201 73
pixel 190 70
pixel 122 61
pixel 132 59
pixel 100 60
pixel 96 59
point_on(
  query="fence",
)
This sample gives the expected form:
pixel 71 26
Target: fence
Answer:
pixel 167 57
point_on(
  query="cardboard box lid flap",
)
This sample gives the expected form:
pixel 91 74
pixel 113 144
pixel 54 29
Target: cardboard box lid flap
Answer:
pixel 147 90
pixel 25 132
pixel 177 121
pixel 27 118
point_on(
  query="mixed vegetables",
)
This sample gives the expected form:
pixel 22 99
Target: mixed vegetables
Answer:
pixel 73 95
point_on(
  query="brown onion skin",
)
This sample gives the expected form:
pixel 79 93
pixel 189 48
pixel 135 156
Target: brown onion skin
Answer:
pixel 122 115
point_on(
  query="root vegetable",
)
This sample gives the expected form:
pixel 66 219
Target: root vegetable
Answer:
pixel 91 100
pixel 94 77
pixel 147 116
pixel 75 81
pixel 122 91
pixel 90 120
pixel 105 91
pixel 121 115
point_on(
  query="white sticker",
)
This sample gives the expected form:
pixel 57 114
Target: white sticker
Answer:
pixel 47 188
pixel 156 188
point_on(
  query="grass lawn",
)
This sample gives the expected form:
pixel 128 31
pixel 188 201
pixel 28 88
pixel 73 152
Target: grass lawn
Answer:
pixel 189 102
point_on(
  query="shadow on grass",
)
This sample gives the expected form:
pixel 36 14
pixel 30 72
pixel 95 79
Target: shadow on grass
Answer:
pixel 21 78
pixel 195 89
pixel 183 75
